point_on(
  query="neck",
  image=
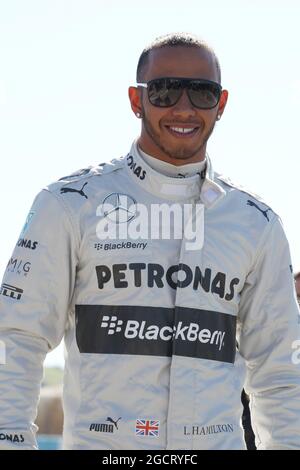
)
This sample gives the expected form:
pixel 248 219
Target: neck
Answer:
pixel 148 146
pixel 175 171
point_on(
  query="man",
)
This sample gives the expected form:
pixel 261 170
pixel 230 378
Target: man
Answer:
pixel 163 324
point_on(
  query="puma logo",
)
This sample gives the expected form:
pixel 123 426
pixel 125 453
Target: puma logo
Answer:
pixel 110 420
pixel 72 190
pixel 264 212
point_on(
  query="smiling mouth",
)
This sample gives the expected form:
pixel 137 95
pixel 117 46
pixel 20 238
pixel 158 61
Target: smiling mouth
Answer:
pixel 182 131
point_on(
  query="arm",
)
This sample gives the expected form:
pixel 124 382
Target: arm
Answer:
pixel 33 318
pixel 269 319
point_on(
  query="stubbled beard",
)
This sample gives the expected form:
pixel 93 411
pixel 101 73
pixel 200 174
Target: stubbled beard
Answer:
pixel 182 152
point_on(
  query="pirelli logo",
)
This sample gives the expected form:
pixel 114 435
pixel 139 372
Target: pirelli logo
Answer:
pixel 140 330
pixel 11 291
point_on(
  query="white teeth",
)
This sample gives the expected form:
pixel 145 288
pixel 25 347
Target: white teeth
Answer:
pixel 182 130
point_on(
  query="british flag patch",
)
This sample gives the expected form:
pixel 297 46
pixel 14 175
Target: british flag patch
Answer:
pixel 147 427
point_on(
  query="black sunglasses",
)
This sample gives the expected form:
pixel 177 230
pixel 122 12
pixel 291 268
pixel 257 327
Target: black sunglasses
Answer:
pixel 165 92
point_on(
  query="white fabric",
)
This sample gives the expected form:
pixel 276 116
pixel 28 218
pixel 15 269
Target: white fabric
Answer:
pixel 149 325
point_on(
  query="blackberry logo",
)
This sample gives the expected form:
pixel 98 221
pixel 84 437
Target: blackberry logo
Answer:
pixel 156 331
pixel 112 323
pixel 144 331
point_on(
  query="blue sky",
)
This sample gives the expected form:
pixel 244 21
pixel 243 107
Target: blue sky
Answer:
pixel 65 67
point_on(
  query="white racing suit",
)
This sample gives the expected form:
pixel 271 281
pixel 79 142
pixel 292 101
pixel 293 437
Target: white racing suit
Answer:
pixel 160 337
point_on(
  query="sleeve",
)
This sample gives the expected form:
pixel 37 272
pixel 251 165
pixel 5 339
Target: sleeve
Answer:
pixel 269 333
pixel 35 299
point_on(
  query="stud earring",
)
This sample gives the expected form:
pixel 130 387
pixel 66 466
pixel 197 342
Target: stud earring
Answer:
pixel 219 117
pixel 138 115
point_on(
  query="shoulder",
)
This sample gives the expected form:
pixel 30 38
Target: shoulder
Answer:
pixel 85 174
pixel 245 199
pixel 250 217
pixel 228 183
pixel 75 194
pixel 240 191
pixel 66 200
pixel 79 181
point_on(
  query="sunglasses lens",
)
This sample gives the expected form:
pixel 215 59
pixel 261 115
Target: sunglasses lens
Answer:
pixel 164 92
pixel 204 95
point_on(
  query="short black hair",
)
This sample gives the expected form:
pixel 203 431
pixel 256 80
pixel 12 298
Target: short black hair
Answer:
pixel 173 40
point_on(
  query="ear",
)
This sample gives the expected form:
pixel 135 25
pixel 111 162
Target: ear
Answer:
pixel 222 102
pixel 134 94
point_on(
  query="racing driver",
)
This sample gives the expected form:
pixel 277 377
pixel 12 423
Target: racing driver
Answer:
pixel 163 323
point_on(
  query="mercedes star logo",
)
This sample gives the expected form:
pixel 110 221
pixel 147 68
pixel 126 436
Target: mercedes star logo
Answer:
pixel 119 208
